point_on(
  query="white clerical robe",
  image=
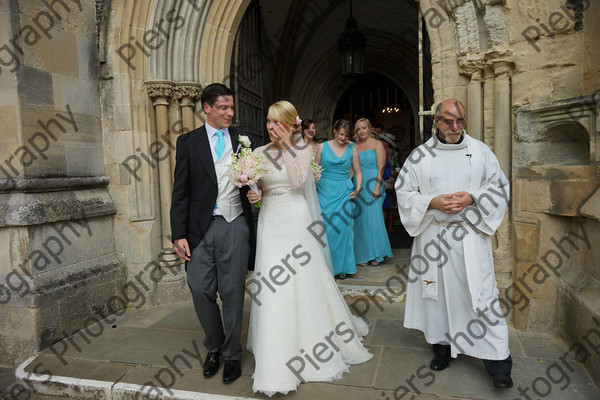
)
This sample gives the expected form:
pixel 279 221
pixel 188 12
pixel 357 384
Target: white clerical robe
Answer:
pixel 452 295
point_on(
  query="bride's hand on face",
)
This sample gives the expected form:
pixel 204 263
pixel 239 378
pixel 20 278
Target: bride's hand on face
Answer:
pixel 281 131
pixel 254 197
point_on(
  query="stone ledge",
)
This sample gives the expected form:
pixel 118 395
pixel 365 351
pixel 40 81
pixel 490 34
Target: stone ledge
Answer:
pixel 20 209
pixel 91 273
pixel 57 284
pixel 556 172
pixel 53 184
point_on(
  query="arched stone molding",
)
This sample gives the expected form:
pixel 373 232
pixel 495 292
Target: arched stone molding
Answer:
pixel 219 31
pixel 477 27
pixel 174 60
pixel 320 91
pixel 200 41
pixel 440 30
pixel 302 13
pixel 157 57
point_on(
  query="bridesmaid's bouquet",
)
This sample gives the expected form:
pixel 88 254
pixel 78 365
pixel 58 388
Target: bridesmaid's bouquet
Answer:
pixel 247 168
pixel 316 171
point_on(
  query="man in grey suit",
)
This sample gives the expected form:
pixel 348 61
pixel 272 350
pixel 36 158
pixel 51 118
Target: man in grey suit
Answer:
pixel 212 228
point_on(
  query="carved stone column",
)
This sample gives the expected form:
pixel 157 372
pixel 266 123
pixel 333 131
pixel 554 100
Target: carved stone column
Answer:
pixel 199 117
pixel 472 66
pixel 160 92
pixel 176 120
pixel 488 106
pixel 188 92
pixel 503 68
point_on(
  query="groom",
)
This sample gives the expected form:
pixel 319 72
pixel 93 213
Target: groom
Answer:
pixel 211 223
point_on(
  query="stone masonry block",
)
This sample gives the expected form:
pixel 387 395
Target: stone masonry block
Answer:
pixel 527 237
pixel 535 196
pixel 35 88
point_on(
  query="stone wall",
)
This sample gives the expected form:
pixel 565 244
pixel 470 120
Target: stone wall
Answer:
pixel 58 265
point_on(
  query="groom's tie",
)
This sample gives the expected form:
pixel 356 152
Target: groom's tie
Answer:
pixel 220 146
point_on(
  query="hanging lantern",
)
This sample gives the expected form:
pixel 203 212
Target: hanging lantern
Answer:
pixel 352 48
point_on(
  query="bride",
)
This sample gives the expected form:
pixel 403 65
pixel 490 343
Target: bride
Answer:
pixel 300 326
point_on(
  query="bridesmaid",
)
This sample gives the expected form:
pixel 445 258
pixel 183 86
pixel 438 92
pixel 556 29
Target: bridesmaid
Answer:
pixel 338 158
pixel 371 242
pixel 309 131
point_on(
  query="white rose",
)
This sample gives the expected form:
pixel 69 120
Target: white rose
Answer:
pixel 245 141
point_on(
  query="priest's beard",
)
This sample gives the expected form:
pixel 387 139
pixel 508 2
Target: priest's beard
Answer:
pixel 452 136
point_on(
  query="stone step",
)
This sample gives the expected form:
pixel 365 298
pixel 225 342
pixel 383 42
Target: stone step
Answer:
pixel 46 385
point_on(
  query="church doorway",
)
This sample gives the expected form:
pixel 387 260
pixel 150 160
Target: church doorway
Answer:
pixel 289 50
pixel 385 104
pixel 300 62
pixel 379 99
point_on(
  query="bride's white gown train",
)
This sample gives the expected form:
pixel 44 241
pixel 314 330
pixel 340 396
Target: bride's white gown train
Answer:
pixel 300 326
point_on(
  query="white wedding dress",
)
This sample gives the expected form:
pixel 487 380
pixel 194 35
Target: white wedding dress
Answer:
pixel 300 326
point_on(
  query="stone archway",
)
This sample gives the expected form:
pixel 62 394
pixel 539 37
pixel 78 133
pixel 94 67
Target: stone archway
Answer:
pixel 156 57
pixel 394 57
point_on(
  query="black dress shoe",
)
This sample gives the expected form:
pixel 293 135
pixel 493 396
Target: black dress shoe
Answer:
pixel 502 381
pixel 211 364
pixel 232 370
pixel 343 276
pixel 439 363
pixel 442 357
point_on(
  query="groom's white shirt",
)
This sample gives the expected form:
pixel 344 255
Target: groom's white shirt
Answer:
pixel 228 204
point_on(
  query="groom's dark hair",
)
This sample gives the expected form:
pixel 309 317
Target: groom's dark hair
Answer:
pixel 212 92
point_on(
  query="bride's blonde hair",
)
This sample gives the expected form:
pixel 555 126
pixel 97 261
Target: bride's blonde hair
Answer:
pixel 285 112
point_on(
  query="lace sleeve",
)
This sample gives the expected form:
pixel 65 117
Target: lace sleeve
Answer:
pixel 297 163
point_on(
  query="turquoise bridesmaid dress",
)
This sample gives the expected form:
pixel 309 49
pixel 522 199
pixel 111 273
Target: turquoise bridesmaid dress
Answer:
pixel 337 209
pixel 371 241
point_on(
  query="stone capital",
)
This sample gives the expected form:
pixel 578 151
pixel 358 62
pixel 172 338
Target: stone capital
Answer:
pixel 471 65
pixel 188 93
pixel 160 92
pixel 483 3
pixel 501 61
pixel 450 5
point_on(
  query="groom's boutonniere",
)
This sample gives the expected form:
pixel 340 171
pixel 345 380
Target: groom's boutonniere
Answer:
pixel 244 141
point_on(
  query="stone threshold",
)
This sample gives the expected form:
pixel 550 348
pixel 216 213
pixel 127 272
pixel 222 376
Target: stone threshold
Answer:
pixel 77 388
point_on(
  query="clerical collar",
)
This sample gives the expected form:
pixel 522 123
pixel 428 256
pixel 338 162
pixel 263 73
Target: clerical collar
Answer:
pixel 462 136
pixel 443 145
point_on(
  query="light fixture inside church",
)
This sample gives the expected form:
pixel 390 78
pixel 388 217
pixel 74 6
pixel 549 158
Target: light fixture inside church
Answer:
pixel 352 48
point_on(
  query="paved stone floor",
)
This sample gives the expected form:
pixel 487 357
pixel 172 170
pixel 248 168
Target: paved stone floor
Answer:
pixel 113 361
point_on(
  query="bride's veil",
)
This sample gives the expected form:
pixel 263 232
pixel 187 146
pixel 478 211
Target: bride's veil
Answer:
pixel 312 199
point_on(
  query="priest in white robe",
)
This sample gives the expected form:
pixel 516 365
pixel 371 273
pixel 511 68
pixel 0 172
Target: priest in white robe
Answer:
pixel 452 196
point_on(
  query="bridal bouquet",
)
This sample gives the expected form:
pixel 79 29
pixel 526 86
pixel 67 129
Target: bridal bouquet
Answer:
pixel 247 168
pixel 316 171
